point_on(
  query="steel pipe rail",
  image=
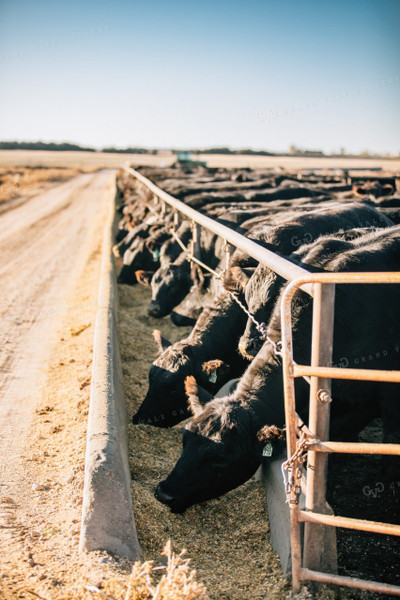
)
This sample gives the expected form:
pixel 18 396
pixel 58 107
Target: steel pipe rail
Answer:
pixel 342 373
pixel 280 265
pixel 347 523
pixel 361 584
pixel 313 517
pixel 355 448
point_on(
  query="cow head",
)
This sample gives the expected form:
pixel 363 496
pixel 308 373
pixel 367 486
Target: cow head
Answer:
pixel 135 259
pixel 191 307
pixel 165 403
pixel 261 293
pixel 220 451
pixel 169 285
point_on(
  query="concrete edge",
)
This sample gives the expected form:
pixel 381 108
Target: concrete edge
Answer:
pixel 270 474
pixel 107 516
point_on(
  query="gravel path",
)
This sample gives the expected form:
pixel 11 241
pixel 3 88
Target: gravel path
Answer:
pixel 45 243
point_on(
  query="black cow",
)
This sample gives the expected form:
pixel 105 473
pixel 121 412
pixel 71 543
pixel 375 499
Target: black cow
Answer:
pixel 161 255
pixel 205 288
pixel 222 447
pixel 264 284
pixel 209 353
pixel 170 284
pixel 149 254
pixel 143 254
pixel 217 329
pixel 140 231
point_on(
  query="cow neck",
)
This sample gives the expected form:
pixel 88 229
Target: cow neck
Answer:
pixel 260 389
pixel 218 328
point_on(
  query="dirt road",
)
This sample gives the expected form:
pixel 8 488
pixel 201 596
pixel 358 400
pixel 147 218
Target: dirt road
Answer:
pixel 41 244
pixel 50 260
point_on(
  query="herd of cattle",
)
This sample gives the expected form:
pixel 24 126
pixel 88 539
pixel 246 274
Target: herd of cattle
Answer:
pixel 323 223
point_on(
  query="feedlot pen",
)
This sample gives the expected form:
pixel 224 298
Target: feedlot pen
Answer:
pixel 304 567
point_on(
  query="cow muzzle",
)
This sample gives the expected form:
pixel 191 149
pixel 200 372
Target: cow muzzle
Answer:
pixel 168 500
pixel 163 497
pixel 154 309
pixel 248 349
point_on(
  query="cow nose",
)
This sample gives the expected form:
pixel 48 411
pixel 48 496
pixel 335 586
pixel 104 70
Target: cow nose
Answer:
pixel 162 496
pixel 154 309
pixel 248 348
pixel 252 347
pixel 122 277
pixel 135 419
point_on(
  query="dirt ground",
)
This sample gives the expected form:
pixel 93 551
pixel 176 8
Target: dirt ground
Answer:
pixel 231 554
pixel 227 539
pixel 48 304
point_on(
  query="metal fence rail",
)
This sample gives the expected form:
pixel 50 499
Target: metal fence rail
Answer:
pixel 322 288
pixel 306 564
pixel 283 267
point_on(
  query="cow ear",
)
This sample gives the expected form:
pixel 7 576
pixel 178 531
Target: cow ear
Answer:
pixel 144 277
pixel 192 393
pixel 270 433
pixel 236 278
pixel 212 368
pixel 161 342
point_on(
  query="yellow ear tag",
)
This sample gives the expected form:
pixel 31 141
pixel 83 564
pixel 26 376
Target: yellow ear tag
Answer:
pixel 267 451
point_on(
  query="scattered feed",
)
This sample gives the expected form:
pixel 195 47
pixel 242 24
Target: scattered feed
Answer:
pixel 227 538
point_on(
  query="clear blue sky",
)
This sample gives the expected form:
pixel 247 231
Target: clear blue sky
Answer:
pixel 157 73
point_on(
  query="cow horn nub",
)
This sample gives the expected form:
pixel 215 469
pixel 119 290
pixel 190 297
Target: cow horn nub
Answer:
pixel 161 342
pixel 192 393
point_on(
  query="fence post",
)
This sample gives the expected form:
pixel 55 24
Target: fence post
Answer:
pixel 196 242
pixel 228 249
pixel 319 555
pixel 177 219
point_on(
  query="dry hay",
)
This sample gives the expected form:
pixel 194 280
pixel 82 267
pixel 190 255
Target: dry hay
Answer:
pixel 227 539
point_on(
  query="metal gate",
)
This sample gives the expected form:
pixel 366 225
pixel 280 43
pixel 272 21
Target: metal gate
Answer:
pixel 313 439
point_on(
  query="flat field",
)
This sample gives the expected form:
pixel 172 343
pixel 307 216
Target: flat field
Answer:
pixel 39 158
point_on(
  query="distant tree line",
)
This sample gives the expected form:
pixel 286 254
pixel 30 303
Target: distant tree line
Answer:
pixel 248 151
pixel 42 146
pixel 129 150
pixel 64 146
pixel 225 150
